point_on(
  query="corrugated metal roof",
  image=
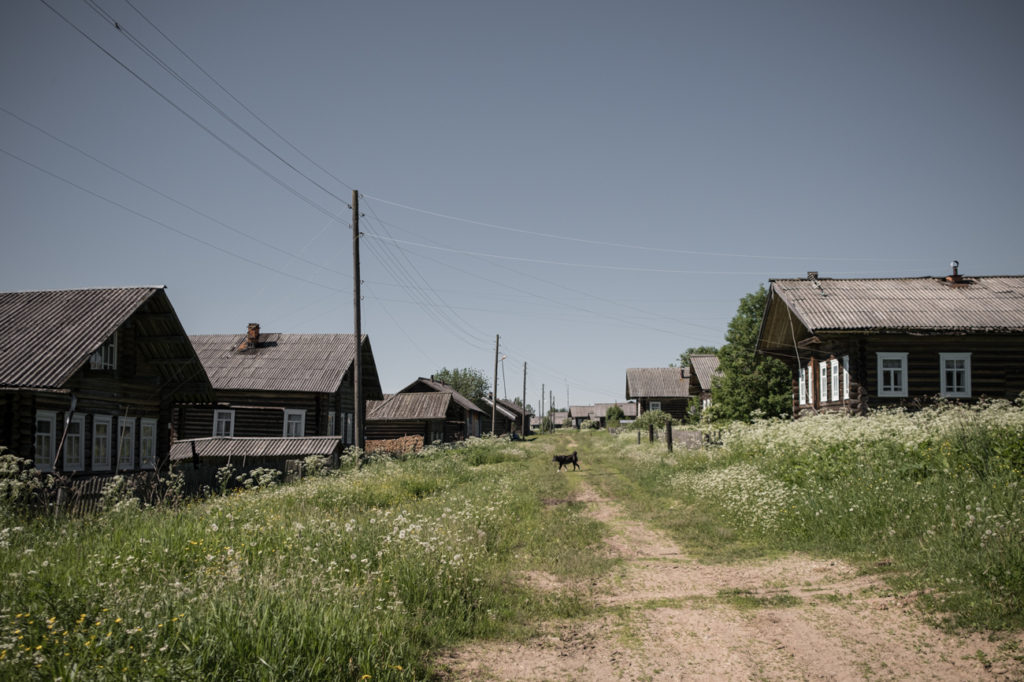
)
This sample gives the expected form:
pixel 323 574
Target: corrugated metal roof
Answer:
pixel 657 382
pixel 237 448
pixel 980 304
pixel 705 367
pixel 501 408
pixel 410 406
pixel 47 336
pixel 442 387
pixel 305 363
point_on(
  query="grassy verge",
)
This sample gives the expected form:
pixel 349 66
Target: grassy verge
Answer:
pixel 933 498
pixel 357 576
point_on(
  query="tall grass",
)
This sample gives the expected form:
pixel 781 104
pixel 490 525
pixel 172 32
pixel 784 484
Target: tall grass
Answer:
pixel 357 576
pixel 934 496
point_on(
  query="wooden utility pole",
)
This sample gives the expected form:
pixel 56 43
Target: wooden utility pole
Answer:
pixel 357 365
pixel 494 396
pixel 542 412
pixel 525 416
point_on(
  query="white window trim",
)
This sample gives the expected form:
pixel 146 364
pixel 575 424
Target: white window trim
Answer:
pixel 803 388
pixel 846 377
pixel 99 359
pixel 823 380
pixel 654 405
pixel 98 465
pixel 147 459
pixel 903 392
pixel 944 388
pixel 302 423
pixel 69 445
pixel 44 460
pixel 809 369
pixel 125 445
pixel 231 423
pixel 834 366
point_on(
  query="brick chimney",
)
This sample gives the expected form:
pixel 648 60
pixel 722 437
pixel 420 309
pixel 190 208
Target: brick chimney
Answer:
pixel 956 277
pixel 252 337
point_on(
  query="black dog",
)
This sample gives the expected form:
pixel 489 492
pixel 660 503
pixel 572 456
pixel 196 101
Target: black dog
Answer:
pixel 566 460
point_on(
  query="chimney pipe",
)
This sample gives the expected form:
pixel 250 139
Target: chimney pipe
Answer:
pixel 252 336
pixel 956 277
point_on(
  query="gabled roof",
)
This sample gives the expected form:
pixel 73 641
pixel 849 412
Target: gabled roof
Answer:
pixel 501 408
pixel 705 368
pixel 239 448
pixel 303 363
pixel 423 384
pixel 47 336
pixel 658 382
pixel 410 407
pixel 929 305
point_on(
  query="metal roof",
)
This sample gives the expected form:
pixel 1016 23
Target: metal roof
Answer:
pixel 441 387
pixel 501 408
pixel 47 336
pixel 237 448
pixel 305 363
pixel 410 406
pixel 705 368
pixel 978 304
pixel 658 382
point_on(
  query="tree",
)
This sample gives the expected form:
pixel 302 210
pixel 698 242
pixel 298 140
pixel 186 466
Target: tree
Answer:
pixel 472 383
pixel 750 384
pixel 614 413
pixel 684 357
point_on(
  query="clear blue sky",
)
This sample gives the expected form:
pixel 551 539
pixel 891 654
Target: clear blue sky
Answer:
pixel 597 182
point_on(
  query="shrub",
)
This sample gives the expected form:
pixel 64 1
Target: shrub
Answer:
pixel 20 482
pixel 656 418
pixel 260 477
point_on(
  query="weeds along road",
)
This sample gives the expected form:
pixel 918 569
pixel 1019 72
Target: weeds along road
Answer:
pixel 660 614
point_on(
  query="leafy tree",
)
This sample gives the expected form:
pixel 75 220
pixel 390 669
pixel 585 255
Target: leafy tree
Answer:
pixel 614 413
pixel 684 357
pixel 470 382
pixel 750 385
pixel 519 401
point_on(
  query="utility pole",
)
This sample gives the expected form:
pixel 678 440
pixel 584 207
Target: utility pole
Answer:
pixel 542 394
pixel 525 416
pixel 357 365
pixel 494 396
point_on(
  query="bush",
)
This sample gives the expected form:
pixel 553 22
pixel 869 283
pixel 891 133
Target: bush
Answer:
pixel 20 482
pixel 260 477
pixel 656 418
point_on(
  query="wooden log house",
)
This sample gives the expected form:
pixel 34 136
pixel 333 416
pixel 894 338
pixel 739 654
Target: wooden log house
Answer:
pixel 857 344
pixel 427 408
pixel 660 388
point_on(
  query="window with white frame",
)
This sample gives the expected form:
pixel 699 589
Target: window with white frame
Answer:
pixel 809 372
pixel 955 369
pixel 294 423
pixel 834 389
pixel 655 405
pixel 803 387
pixel 892 375
pixel 105 357
pixel 46 428
pixel 74 444
pixel 125 443
pixel 147 443
pixel 823 380
pixel 101 430
pixel 223 423
pixel 846 377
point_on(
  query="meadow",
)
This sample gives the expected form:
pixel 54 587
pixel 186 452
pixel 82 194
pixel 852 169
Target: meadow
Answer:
pixel 367 573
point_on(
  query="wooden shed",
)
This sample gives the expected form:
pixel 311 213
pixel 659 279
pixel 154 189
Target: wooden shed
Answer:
pixel 88 378
pixel 854 344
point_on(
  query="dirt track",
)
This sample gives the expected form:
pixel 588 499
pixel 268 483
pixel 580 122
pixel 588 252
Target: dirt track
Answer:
pixel 667 617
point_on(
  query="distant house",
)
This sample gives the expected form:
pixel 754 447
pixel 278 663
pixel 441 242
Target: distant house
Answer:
pixel 427 408
pixel 854 344
pixel 703 369
pixel 598 413
pixel 279 386
pixel 88 378
pixel 660 388
pixel 509 416
pixel 558 419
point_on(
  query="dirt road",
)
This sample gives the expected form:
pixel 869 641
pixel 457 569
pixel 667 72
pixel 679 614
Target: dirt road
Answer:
pixel 667 617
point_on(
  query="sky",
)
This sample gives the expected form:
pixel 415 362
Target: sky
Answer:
pixel 598 183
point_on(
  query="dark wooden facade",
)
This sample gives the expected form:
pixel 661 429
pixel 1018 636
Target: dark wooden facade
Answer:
pixel 85 416
pixel 426 408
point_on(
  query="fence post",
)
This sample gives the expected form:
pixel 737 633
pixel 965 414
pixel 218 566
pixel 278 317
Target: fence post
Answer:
pixel 668 435
pixel 650 433
pixel 638 436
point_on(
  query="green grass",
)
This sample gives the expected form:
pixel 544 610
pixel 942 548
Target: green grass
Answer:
pixel 367 573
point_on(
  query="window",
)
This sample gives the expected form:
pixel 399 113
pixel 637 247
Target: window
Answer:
pixel 834 365
pixel 147 444
pixel 101 442
pixel 125 443
pixel 331 422
pixel 809 370
pixel 846 377
pixel 294 423
pixel 803 387
pixel 892 375
pixel 74 444
pixel 105 357
pixel 655 405
pixel 823 381
pixel 223 423
pixel 955 369
pixel 46 427
pixel 350 427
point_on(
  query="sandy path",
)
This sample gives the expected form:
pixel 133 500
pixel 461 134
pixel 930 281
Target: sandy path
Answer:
pixel 667 617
